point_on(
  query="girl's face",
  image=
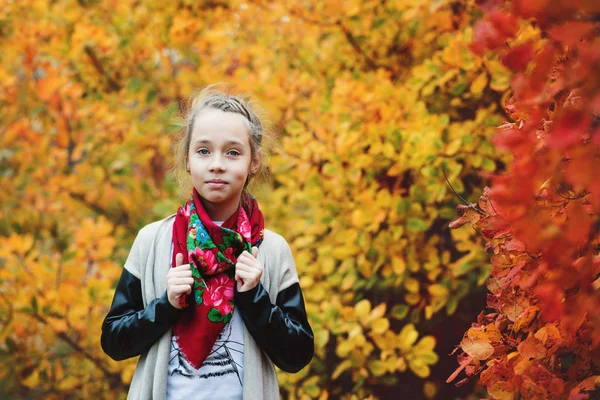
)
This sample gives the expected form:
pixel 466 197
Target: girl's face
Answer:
pixel 219 161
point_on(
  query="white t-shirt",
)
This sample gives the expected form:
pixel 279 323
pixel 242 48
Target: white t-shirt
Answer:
pixel 221 376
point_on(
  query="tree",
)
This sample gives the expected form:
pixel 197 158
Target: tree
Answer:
pixel 539 336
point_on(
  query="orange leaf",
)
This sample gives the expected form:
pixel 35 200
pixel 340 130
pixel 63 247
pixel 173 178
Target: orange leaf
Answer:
pixel 532 348
pixel 477 348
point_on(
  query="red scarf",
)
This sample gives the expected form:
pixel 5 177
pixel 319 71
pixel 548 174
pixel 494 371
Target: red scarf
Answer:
pixel 212 253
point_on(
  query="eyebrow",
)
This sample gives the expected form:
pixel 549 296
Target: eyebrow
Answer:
pixel 229 142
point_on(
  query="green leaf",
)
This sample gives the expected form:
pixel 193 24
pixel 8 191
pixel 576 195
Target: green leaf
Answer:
pixel 10 345
pixel 460 88
pixel 34 305
pixel 416 225
pixel 488 165
pixel 400 311
pixel 403 206
pixel 378 23
pixel 451 305
pixel 134 84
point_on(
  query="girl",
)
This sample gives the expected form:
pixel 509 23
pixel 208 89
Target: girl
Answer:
pixel 208 297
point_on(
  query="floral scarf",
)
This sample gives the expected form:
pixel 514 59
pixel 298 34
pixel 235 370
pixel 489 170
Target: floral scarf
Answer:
pixel 212 253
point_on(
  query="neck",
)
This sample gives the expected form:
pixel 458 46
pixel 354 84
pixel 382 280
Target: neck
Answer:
pixel 220 212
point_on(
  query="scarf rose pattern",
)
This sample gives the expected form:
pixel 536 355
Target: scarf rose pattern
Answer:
pixel 215 261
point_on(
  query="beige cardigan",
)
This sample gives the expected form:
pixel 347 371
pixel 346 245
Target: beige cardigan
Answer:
pixel 149 261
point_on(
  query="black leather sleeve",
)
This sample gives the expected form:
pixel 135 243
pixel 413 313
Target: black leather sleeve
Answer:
pixel 281 330
pixel 130 329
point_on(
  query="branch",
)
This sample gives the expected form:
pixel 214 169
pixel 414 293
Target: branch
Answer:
pixel 113 377
pixel 113 86
pixel 357 49
pixel 121 219
pixel 371 63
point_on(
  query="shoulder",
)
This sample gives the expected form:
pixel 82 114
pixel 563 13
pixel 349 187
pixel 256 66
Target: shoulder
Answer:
pixel 274 243
pixel 149 232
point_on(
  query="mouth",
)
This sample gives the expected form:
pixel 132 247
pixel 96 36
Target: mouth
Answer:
pixel 216 183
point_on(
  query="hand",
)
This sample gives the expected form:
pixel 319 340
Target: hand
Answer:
pixel 248 270
pixel 179 281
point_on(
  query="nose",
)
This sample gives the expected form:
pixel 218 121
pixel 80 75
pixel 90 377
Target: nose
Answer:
pixel 216 163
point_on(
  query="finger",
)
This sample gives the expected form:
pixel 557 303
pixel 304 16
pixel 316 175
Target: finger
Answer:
pixel 245 254
pixel 182 281
pixel 237 277
pixel 245 267
pixel 254 270
pixel 181 268
pixel 255 252
pixel 247 276
pixel 182 273
pixel 177 291
pixel 178 259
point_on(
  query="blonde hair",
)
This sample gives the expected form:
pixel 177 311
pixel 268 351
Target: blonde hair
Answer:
pixel 217 97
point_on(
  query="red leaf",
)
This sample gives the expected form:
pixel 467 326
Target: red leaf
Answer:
pixel 518 57
pixel 571 32
pixel 578 224
pixel 462 366
pixel 507 25
pixel 569 129
pixel 486 37
pixel 529 8
pixel 551 303
pixel 493 32
pixel 458 223
pixel 489 5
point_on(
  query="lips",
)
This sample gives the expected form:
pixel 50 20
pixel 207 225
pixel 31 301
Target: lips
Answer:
pixel 216 183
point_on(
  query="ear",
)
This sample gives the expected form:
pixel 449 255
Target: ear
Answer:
pixel 255 164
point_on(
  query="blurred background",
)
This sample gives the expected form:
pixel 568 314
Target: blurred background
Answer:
pixel 370 103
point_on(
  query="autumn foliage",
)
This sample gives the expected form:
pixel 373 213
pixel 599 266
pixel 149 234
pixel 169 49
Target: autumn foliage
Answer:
pixel 380 110
pixel 540 334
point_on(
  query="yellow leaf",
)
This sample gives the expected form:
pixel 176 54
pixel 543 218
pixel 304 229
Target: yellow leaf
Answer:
pixel 453 147
pixel 438 290
pixel 344 365
pixel 425 345
pixel 430 389
pixel 377 368
pixel 419 368
pixel 68 383
pixel 380 325
pixel 378 312
pixel 412 285
pixel 362 309
pixel 401 364
pixel 32 380
pixel 322 338
pixel 479 83
pixel 398 265
pixel 344 348
pixel 407 337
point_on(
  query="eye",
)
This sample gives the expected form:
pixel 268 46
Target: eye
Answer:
pixel 203 151
pixel 233 153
